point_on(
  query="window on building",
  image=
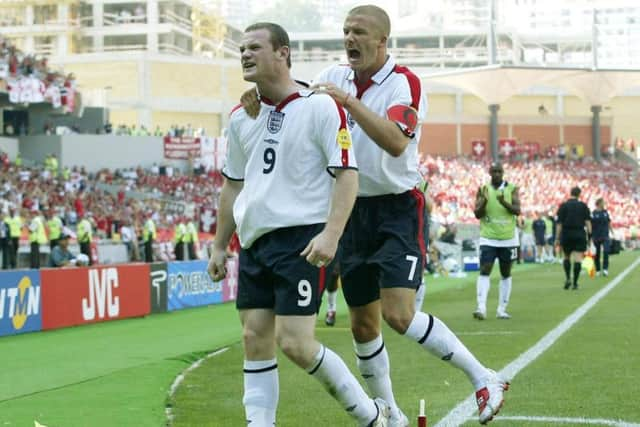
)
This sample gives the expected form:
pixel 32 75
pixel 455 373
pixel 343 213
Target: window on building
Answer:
pixel 13 16
pixel 126 42
pixel 45 14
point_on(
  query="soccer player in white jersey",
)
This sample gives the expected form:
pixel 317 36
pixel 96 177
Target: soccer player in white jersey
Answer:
pixel 382 247
pixel 289 217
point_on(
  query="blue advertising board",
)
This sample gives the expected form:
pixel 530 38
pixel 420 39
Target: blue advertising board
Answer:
pixel 20 304
pixel 189 285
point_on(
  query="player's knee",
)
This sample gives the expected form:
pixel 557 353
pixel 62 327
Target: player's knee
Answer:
pixel 293 348
pixel 249 336
pixel 255 345
pixel 364 331
pixel 485 269
pixel 398 318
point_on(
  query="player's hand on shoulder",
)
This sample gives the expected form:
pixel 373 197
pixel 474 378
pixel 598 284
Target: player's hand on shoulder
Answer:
pixel 251 102
pixel 321 249
pixel 333 91
pixel 217 267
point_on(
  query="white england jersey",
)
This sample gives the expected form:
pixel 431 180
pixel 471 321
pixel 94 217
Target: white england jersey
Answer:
pixel 283 156
pixel 52 94
pixel 380 173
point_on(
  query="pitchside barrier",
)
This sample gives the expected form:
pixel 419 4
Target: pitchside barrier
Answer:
pixel 34 300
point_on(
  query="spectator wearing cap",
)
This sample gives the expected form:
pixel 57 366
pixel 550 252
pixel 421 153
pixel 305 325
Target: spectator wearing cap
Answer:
pixel 61 256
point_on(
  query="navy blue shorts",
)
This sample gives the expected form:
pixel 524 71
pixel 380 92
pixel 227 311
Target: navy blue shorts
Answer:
pixel 273 275
pixel 540 240
pixel 488 254
pixel 333 274
pixel 383 246
pixel 573 240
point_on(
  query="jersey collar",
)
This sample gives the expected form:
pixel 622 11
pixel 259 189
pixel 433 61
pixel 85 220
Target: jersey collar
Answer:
pixel 382 73
pixel 295 95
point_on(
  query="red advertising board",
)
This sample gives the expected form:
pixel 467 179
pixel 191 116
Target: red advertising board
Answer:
pixel 77 296
pixel 182 147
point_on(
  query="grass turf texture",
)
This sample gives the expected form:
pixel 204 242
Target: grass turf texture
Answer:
pixel 118 373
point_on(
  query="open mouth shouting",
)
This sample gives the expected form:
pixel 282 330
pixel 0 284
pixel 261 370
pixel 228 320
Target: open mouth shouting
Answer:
pixel 353 55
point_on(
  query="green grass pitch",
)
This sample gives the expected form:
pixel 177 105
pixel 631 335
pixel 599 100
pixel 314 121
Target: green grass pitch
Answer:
pixel 119 373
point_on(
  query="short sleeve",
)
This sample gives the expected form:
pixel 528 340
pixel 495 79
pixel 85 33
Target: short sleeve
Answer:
pixel 407 105
pixel 333 134
pixel 236 159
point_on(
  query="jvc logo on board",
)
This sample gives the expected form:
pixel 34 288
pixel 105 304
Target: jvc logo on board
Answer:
pixel 20 302
pixel 101 301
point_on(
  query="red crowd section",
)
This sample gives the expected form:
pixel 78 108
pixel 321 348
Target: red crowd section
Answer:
pixel 543 184
pixel 453 182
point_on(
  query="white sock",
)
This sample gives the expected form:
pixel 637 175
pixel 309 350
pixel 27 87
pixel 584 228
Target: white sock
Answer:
pixel 437 338
pixel 261 391
pixel 505 293
pixel 482 288
pixel 332 298
pixel 336 378
pixel 373 363
pixel 422 289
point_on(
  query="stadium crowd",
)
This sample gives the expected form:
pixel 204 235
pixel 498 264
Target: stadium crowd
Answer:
pixel 111 199
pixel 543 184
pixel 27 78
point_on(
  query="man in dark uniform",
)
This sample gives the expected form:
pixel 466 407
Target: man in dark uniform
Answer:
pixel 539 229
pixel 573 218
pixel 601 223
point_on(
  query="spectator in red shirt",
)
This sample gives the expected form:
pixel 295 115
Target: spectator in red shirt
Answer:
pixel 79 205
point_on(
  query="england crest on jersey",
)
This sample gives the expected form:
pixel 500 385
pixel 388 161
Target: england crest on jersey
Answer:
pixel 274 123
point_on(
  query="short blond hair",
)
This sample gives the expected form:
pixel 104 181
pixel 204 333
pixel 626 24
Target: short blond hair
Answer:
pixel 377 13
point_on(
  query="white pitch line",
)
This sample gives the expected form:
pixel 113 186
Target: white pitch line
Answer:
pixel 558 420
pixel 458 415
pixel 176 383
